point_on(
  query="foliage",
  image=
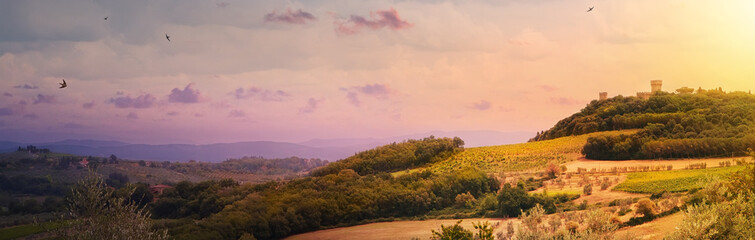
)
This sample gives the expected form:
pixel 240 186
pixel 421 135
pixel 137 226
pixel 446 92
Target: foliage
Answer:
pixel 98 214
pixel 276 210
pixel 672 181
pixel 587 189
pixel 512 201
pixel 725 212
pixel 196 200
pixel 484 231
pixel 455 232
pixel 647 208
pixel 396 156
pixel 706 124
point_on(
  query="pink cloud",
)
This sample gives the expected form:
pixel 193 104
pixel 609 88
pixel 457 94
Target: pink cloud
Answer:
pixel 379 91
pixel 353 98
pixel 26 86
pixel 187 95
pixel 261 94
pixel 379 19
pixel 222 4
pixel 141 101
pixel 291 17
pixel 41 98
pixel 7 94
pixel 31 116
pixel 483 105
pixel 311 106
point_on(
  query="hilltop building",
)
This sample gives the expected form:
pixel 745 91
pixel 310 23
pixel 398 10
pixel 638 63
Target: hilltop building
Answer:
pixel 655 86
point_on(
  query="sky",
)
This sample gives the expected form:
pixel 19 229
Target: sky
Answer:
pixel 297 70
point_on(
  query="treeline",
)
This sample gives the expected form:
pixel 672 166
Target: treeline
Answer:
pixel 396 156
pixel 705 114
pixel 253 165
pixel 624 147
pixel 281 209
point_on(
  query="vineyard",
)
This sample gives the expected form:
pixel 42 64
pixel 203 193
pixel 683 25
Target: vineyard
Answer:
pixel 519 157
pixel 672 181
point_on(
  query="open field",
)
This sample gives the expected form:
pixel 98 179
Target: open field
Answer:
pixel 656 229
pixel 396 230
pixel 672 181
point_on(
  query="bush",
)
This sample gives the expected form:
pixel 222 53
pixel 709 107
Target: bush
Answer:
pixel 455 232
pixel 465 200
pixel 647 208
pixel 587 190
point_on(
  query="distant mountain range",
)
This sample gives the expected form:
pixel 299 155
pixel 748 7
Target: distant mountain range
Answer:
pixel 327 149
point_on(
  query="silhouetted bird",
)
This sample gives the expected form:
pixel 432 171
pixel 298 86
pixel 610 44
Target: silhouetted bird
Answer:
pixel 167 37
pixel 589 10
pixel 106 18
pixel 63 84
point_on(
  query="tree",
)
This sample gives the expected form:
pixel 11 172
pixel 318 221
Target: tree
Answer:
pixel 455 232
pixel 97 214
pixel 685 90
pixel 142 163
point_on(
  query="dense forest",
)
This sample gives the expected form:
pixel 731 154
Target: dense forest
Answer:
pixel 707 123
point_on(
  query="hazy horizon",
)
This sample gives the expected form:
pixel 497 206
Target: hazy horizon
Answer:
pixel 295 71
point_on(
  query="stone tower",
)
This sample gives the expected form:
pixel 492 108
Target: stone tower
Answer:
pixel 603 96
pixel 655 85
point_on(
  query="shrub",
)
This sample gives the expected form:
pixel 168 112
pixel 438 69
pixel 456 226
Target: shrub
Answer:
pixel 587 190
pixel 465 200
pixel 455 232
pixel 552 170
pixel 647 208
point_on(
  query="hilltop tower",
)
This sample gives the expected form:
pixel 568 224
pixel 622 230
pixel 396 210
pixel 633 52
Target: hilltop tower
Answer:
pixel 602 96
pixel 655 85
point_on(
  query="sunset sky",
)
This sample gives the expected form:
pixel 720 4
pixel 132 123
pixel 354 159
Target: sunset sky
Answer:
pixel 297 70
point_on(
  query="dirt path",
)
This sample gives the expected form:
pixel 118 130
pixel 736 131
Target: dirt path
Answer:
pixel 396 230
pixel 677 164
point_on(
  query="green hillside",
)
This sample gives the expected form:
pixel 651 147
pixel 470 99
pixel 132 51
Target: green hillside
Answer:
pixel 703 124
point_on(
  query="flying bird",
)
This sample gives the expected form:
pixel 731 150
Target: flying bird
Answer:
pixel 167 37
pixel 63 84
pixel 589 10
pixel 106 18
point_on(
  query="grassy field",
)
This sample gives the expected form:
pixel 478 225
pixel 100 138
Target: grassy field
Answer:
pixel 25 230
pixel 517 157
pixel 672 181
